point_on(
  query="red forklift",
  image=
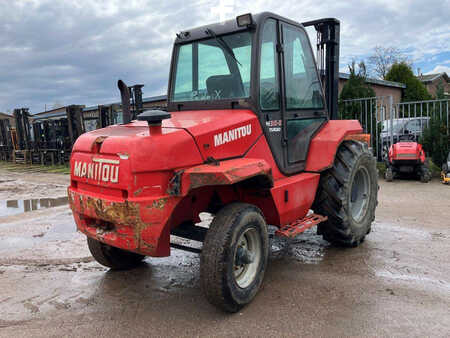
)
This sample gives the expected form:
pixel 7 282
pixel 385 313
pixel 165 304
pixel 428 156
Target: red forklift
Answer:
pixel 250 135
pixel 407 157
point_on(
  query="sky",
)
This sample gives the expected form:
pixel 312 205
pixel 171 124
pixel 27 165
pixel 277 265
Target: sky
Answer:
pixel 74 51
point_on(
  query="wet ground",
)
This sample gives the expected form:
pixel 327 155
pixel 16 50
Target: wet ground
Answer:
pixel 397 283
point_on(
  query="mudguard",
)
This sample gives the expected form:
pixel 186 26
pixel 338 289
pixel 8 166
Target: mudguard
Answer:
pixel 323 146
pixel 219 173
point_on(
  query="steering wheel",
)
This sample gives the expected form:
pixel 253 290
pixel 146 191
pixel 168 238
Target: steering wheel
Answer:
pixel 309 92
pixel 407 137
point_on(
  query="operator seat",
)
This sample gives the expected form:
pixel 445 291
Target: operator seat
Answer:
pixel 223 87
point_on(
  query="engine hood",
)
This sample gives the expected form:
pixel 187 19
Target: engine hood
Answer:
pixel 115 156
pixel 128 158
pixel 219 134
pixel 135 143
pixel 407 151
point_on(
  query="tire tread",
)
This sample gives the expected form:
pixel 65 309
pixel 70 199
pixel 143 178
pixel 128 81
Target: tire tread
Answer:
pixel 331 198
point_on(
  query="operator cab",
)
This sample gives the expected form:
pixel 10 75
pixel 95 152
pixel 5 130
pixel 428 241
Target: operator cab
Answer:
pixel 263 63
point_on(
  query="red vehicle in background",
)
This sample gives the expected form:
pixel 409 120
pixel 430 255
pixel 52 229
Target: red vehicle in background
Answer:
pixel 407 158
pixel 249 137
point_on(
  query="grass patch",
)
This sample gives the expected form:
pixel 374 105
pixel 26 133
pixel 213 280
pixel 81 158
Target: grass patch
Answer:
pixel 435 170
pixel 381 166
pixel 58 169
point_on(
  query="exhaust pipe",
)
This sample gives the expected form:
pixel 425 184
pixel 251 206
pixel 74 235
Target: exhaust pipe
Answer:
pixel 125 96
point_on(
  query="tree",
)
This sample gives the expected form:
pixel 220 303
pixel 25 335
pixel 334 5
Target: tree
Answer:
pixel 435 140
pixel 383 58
pixel 415 90
pixel 440 93
pixel 355 88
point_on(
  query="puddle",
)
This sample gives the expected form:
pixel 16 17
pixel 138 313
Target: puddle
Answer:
pixel 14 207
pixel 308 248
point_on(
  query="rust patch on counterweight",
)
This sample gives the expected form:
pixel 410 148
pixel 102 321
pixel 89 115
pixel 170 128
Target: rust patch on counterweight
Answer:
pixel 116 212
pixel 160 204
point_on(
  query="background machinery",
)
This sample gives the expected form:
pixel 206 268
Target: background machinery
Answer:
pixel 445 174
pixel 407 158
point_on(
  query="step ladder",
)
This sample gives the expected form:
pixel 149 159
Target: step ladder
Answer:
pixel 293 229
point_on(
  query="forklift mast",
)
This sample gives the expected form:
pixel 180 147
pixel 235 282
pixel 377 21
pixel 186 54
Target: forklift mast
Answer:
pixel 21 116
pixel 328 31
pixel 136 97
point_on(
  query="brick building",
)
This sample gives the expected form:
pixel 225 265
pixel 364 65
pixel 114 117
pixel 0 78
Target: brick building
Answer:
pixel 432 81
pixel 380 87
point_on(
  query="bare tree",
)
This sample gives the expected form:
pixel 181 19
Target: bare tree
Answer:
pixel 362 69
pixel 359 70
pixel 383 58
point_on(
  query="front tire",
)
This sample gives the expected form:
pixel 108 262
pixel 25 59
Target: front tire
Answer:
pixel 347 194
pixel 389 175
pixel 113 257
pixel 234 256
pixel 425 174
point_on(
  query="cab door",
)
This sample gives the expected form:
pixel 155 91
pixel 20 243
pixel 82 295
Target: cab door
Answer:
pixel 291 103
pixel 303 106
pixel 269 98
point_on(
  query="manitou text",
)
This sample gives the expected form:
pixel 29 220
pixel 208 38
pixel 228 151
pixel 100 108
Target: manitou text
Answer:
pixel 232 135
pixel 104 170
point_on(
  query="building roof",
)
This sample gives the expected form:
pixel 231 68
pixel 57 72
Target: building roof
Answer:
pixel 432 77
pixel 49 114
pixel 48 111
pixel 91 108
pixel 346 76
pixel 144 100
pixel 5 115
pixel 154 98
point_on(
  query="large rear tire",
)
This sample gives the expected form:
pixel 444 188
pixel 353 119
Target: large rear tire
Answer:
pixel 113 257
pixel 234 256
pixel 347 194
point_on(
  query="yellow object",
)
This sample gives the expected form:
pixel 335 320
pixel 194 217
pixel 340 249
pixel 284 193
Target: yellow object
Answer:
pixel 445 180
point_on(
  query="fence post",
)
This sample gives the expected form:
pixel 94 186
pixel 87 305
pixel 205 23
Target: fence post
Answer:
pixel 448 101
pixel 391 123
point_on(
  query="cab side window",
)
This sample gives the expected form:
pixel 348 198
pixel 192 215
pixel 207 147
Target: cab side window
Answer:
pixel 303 89
pixel 303 94
pixel 269 95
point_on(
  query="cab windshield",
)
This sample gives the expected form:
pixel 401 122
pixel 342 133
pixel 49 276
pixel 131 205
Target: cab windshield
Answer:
pixel 213 69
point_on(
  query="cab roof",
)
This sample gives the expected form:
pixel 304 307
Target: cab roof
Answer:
pixel 226 27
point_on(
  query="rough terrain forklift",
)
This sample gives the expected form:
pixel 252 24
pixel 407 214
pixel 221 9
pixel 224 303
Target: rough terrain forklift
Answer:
pixel 250 136
pixel 407 157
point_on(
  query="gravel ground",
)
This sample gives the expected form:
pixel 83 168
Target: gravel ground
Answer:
pixel 397 283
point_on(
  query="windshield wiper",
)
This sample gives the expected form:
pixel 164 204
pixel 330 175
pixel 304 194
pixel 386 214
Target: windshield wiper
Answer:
pixel 224 45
